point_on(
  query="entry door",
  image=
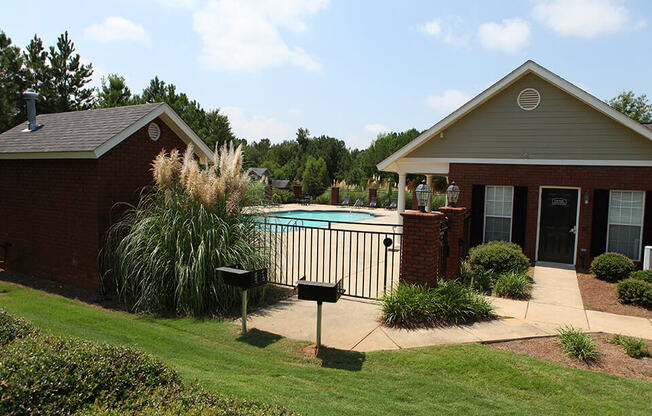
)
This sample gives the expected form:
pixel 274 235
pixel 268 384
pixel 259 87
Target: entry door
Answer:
pixel 557 225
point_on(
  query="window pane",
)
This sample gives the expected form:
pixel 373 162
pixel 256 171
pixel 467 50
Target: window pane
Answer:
pixel 625 239
pixel 626 207
pixel 497 229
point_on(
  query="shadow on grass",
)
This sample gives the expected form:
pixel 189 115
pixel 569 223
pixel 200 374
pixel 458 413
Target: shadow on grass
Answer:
pixel 258 338
pixel 341 359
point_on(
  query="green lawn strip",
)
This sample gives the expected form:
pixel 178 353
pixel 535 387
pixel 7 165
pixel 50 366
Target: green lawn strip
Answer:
pixel 463 379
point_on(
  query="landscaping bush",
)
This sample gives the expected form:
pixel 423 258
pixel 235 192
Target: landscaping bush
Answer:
pixel 645 275
pixel 478 279
pixel 13 327
pixel 634 347
pixel 282 196
pixel 577 344
pixel 499 257
pixel 163 254
pixel 449 303
pixel 612 267
pixel 513 285
pixel 54 376
pixel 635 291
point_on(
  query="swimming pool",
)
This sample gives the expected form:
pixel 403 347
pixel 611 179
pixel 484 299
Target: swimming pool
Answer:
pixel 314 218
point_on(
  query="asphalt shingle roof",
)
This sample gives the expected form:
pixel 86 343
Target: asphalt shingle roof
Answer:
pixel 75 131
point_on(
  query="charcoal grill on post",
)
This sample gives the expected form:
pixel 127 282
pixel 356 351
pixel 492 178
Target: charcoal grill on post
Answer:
pixel 244 279
pixel 319 292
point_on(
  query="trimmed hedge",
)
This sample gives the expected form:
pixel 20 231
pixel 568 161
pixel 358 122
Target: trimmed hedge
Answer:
pixel 449 303
pixel 645 275
pixel 635 291
pixel 13 327
pixel 612 267
pixel 498 256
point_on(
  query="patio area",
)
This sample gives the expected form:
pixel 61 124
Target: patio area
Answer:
pixel 353 324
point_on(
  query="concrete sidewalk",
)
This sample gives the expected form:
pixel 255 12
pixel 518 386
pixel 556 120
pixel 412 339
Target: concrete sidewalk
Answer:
pixel 354 324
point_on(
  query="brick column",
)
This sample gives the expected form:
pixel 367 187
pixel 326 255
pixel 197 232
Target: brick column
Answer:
pixel 420 247
pixel 456 238
pixel 269 191
pixel 373 192
pixel 297 191
pixel 335 195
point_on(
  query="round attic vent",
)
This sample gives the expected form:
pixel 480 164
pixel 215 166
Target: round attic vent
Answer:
pixel 528 99
pixel 154 131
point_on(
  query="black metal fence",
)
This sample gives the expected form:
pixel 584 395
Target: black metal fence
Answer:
pixel 366 256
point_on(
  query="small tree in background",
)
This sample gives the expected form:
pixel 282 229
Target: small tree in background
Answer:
pixel 114 92
pixel 315 176
pixel 637 108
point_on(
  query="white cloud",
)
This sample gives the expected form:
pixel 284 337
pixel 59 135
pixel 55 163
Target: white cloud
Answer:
pixel 256 127
pixel 376 128
pixel 449 31
pixel 585 18
pixel 117 28
pixel 246 34
pixel 449 101
pixel 511 35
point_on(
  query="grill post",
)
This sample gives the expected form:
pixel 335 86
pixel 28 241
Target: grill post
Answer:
pixel 319 304
pixel 244 311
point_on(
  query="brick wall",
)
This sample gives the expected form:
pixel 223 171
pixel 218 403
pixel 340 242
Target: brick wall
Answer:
pixel 588 178
pixel 55 212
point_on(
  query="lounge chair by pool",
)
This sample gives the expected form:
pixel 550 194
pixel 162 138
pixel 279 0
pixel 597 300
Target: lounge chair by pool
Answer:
pixel 359 202
pixel 393 204
pixel 373 202
pixel 345 201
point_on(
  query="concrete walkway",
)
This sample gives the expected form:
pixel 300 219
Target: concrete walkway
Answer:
pixel 354 324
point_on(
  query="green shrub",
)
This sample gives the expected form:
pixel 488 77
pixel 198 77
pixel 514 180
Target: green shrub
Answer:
pixel 645 275
pixel 450 303
pixel 13 327
pixel 54 376
pixel 282 196
pixel 612 267
pixel 513 285
pixel 499 257
pixel 479 279
pixel 634 291
pixel 576 344
pixel 634 347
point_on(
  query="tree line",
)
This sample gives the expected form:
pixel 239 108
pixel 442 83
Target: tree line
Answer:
pixel 62 79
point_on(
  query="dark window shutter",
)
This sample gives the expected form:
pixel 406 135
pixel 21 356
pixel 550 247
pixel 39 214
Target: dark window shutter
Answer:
pixel 647 220
pixel 477 214
pixel 599 222
pixel 519 215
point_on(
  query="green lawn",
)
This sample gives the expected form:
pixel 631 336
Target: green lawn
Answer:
pixel 464 379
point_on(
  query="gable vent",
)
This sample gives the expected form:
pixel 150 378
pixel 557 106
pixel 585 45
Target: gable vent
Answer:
pixel 528 99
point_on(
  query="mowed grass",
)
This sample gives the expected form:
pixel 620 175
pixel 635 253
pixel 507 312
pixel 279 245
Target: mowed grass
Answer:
pixel 462 379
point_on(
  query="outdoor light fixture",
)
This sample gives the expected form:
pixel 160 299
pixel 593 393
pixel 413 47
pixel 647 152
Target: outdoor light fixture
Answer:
pixel 423 195
pixel 586 198
pixel 452 194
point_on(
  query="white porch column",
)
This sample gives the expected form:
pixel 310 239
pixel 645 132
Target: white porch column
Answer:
pixel 429 183
pixel 400 206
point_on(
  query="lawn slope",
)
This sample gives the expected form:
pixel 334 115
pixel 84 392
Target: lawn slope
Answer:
pixel 463 379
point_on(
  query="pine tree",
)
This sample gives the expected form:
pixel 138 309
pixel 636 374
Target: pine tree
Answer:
pixel 12 84
pixel 114 92
pixel 69 77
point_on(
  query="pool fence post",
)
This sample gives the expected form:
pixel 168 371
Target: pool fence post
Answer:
pixel 244 311
pixel 319 304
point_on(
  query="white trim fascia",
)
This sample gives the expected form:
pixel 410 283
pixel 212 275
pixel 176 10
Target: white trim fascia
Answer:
pixel 577 219
pixel 164 109
pixel 48 155
pixel 528 67
pixel 421 160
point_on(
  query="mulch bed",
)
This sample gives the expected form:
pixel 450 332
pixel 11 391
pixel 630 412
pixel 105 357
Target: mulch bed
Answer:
pixel 612 358
pixel 599 295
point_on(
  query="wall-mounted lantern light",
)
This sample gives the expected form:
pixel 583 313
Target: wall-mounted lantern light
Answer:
pixel 423 195
pixel 587 198
pixel 452 194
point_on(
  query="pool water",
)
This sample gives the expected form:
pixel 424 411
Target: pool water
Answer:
pixel 315 218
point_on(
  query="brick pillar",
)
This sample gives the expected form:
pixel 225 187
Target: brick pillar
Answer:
pixel 415 203
pixel 456 238
pixel 269 191
pixel 372 193
pixel 335 195
pixel 297 191
pixel 420 247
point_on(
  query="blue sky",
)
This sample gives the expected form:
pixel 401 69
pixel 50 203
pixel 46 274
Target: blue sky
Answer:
pixel 349 69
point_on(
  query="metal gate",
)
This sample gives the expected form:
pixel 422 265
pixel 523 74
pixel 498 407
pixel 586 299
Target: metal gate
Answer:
pixel 366 256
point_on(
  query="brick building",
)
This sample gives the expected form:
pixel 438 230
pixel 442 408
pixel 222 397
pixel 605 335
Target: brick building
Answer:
pixel 544 164
pixel 61 176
